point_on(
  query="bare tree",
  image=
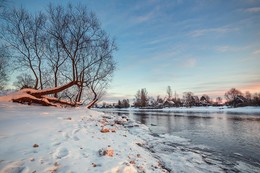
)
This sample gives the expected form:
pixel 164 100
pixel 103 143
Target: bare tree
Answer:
pixel 256 99
pixel 141 98
pixel 3 67
pixel 232 94
pixel 98 78
pixel 169 92
pixel 219 100
pixel 56 59
pixel 38 43
pixel 64 38
pixel 137 100
pixel 248 96
pixel 89 49
pixel 23 34
pixel 205 98
pixel 2 4
pixel 75 29
pixel 188 99
pixel 24 80
pixel 144 98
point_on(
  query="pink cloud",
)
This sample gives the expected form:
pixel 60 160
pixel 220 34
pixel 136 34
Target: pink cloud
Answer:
pixel 253 10
pixel 256 52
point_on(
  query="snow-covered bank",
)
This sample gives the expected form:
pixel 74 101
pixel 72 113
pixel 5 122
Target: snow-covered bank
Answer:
pixel 178 154
pixel 44 139
pixel 210 109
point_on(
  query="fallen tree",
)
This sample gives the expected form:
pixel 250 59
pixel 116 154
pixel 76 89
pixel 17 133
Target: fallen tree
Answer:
pixel 30 95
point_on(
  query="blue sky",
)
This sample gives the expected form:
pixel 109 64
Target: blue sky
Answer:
pixel 203 46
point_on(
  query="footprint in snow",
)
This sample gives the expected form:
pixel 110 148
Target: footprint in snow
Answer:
pixel 60 153
pixel 56 143
pixel 75 131
pixel 13 167
pixel 65 135
pixel 75 138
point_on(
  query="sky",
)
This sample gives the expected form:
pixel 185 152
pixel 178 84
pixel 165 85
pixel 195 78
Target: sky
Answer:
pixel 202 46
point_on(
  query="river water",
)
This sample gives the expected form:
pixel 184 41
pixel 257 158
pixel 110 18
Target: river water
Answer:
pixel 232 140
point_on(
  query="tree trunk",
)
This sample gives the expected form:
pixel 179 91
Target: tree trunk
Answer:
pixel 81 89
pixel 55 82
pixel 36 81
pixel 95 99
pixel 39 93
pixel 91 103
pixel 39 96
pixel 40 75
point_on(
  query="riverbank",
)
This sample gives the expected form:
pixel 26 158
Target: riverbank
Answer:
pixel 209 109
pixel 200 142
pixel 45 139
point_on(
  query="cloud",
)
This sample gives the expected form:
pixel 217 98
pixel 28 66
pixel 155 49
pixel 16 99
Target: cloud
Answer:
pixel 148 10
pixel 251 87
pixel 224 49
pixel 253 10
pixel 228 48
pixel 189 63
pixel 144 18
pixel 256 52
pixel 202 32
pixel 160 40
pixel 112 97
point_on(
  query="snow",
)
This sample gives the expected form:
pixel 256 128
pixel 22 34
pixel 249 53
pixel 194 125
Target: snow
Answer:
pixel 15 95
pixel 45 139
pixel 173 154
pixel 209 109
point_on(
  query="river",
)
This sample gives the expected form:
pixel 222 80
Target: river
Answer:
pixel 232 140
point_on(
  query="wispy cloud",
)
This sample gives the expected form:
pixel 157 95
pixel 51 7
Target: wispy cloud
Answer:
pixel 224 49
pixel 114 97
pixel 160 40
pixel 256 52
pixel 253 10
pixel 144 18
pixel 202 32
pixel 146 11
pixel 189 63
pixel 228 48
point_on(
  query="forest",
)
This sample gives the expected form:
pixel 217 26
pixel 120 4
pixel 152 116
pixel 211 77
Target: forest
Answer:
pixel 232 98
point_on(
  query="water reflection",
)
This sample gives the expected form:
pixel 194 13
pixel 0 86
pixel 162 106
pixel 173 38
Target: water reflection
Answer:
pixel 227 134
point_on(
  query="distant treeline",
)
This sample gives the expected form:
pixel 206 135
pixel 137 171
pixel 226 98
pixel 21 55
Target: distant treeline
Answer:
pixel 233 98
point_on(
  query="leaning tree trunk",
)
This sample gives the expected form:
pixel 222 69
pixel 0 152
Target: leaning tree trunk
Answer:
pixel 39 96
pixel 39 93
pixel 92 103
pixel 95 99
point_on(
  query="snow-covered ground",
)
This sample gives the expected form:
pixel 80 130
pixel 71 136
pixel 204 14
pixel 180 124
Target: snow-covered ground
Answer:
pixel 43 139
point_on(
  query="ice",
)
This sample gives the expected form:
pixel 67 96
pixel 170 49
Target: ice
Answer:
pixel 243 167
